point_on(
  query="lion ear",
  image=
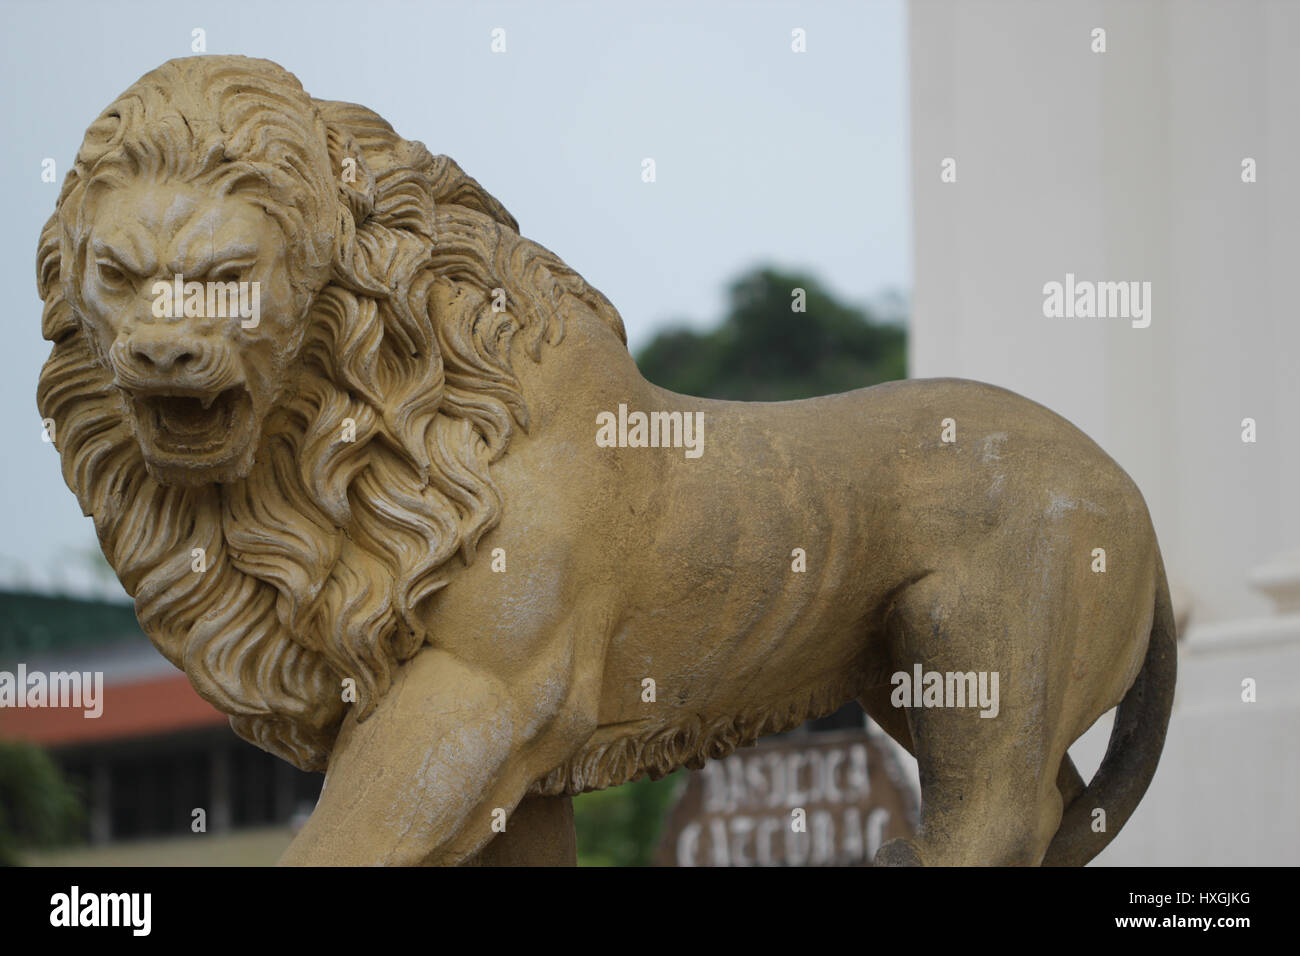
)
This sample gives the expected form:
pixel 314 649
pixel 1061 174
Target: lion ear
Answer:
pixel 356 181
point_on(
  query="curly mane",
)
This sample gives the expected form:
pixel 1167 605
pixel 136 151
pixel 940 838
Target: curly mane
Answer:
pixel 318 561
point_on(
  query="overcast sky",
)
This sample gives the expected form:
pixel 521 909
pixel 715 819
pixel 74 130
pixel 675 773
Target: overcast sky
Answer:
pixel 762 154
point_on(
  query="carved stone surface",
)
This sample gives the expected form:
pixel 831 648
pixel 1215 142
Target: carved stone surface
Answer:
pixel 386 483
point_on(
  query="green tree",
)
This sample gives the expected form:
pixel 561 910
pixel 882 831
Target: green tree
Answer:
pixel 764 350
pixel 37 806
pixel 620 826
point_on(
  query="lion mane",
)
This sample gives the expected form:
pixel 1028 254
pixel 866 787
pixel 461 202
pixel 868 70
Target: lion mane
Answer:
pixel 317 563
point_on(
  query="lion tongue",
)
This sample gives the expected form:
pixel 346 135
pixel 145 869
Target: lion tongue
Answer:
pixel 188 416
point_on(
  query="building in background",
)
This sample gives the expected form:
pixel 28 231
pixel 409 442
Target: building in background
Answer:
pixel 1167 158
pixel 157 752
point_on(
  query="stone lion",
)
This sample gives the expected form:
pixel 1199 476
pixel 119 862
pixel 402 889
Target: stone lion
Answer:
pixel 378 527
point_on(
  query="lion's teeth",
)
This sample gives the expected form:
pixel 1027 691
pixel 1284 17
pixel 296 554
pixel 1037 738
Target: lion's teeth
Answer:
pixel 207 401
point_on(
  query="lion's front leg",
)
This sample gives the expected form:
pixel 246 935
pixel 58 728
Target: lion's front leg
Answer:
pixel 540 833
pixel 448 751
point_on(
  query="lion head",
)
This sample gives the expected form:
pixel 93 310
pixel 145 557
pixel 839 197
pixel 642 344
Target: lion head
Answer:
pixel 280 495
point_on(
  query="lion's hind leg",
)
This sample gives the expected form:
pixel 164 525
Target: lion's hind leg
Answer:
pixel 989 792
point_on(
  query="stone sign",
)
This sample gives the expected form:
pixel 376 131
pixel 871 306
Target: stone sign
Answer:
pixel 828 799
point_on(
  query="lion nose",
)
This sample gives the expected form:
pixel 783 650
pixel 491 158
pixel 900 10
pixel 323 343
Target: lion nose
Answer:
pixel 162 354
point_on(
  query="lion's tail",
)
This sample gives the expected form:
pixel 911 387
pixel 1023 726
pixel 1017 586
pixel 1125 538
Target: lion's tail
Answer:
pixel 1135 744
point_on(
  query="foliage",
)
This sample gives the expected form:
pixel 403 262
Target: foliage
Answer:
pixel 37 806
pixel 765 351
pixel 620 826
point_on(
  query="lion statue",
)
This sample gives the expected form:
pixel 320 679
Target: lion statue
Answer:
pixel 416 520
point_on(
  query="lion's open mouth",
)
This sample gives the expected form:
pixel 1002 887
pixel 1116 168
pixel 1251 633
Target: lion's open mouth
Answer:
pixel 193 424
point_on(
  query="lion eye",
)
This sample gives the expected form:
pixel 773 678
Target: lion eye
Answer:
pixel 110 274
pixel 231 272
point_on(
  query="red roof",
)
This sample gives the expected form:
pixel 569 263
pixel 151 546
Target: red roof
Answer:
pixel 142 708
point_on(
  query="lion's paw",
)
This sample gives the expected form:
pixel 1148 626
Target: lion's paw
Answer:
pixel 898 852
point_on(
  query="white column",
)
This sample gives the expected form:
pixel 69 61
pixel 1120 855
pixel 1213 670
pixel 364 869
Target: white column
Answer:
pixel 1125 165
